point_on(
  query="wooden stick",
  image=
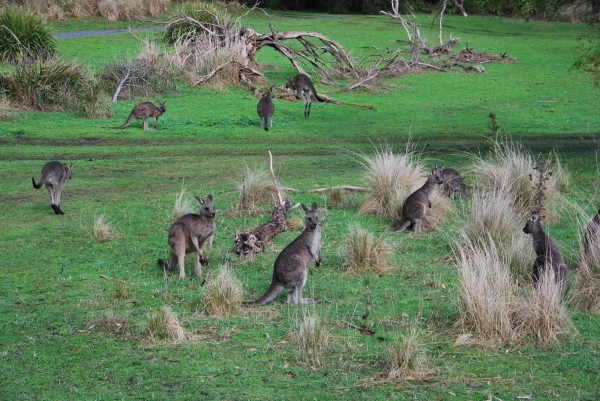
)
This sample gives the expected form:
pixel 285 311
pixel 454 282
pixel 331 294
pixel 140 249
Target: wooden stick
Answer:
pixel 361 329
pixel 275 180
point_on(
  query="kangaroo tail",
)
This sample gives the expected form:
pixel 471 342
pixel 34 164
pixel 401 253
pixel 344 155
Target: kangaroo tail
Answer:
pixel 36 186
pixel 314 91
pixel 270 295
pixel 126 123
pixel 403 225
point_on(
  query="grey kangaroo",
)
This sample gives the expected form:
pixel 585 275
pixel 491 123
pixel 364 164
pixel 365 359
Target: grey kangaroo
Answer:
pixel 144 111
pixel 266 109
pixel 302 86
pixel 417 203
pixel 189 234
pixel 453 182
pixel 291 266
pixel 548 254
pixel 54 176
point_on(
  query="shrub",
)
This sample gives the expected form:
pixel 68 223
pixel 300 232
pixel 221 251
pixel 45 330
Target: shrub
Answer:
pixel 365 251
pixel 389 179
pixel 195 19
pixel 103 231
pixel 589 61
pixel 24 34
pixel 223 294
pixel 163 325
pixel 407 357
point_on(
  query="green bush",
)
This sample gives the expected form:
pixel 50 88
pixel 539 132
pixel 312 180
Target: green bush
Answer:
pixel 193 19
pixel 590 59
pixel 24 34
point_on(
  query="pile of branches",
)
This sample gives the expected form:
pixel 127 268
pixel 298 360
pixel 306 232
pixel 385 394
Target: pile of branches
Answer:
pixel 470 55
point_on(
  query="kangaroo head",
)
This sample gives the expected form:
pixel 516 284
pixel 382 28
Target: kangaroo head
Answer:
pixel 288 83
pixel 437 174
pixel 312 217
pixel 206 207
pixel 528 229
pixel 161 106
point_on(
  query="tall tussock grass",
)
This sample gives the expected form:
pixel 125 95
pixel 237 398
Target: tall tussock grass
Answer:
pixel 408 355
pixel 313 338
pixel 389 178
pixel 163 325
pixel 509 168
pixel 256 189
pixel 366 252
pixel 585 288
pixel 183 205
pixel 103 231
pixel 494 310
pixel 222 293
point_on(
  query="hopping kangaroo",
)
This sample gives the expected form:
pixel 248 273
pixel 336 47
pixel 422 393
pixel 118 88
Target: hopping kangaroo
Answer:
pixel 548 254
pixel 417 203
pixel 266 109
pixel 302 86
pixel 291 266
pixel 54 176
pixel 144 111
pixel 189 234
pixel 453 182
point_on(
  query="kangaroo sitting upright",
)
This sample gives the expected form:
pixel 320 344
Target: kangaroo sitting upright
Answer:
pixel 291 266
pixel 266 109
pixel 189 234
pixel 548 254
pixel 302 86
pixel 144 111
pixel 453 182
pixel 54 176
pixel 417 203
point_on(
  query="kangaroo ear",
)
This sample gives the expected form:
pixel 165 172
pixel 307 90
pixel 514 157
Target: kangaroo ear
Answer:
pixel 209 198
pixel 435 166
pixel 314 206
pixel 71 166
pixel 443 165
pixel 304 208
pixel 534 218
pixel 199 200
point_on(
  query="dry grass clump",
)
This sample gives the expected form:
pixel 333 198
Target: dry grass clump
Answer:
pixel 585 288
pixel 294 223
pixel 112 10
pixel 164 325
pixel 222 293
pixel 255 189
pixel 103 231
pixel 335 196
pixel 314 339
pixel 111 323
pixel 492 308
pixel 441 208
pixel 389 179
pixel 408 357
pixel 182 205
pixel 365 251
pixel 508 169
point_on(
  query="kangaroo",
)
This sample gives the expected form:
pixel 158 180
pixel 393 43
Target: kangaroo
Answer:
pixel 417 203
pixel 547 253
pixel 453 182
pixel 144 111
pixel 54 176
pixel 302 86
pixel 266 109
pixel 291 266
pixel 189 234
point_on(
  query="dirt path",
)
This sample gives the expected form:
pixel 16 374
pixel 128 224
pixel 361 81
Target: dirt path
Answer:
pixel 76 34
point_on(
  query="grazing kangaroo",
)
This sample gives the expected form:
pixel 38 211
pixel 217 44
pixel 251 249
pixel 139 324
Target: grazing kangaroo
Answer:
pixel 189 234
pixel 302 86
pixel 144 111
pixel 547 253
pixel 266 109
pixel 291 266
pixel 417 203
pixel 54 176
pixel 453 182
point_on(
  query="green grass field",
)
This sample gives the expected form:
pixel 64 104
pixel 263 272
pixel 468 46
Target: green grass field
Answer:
pixel 66 334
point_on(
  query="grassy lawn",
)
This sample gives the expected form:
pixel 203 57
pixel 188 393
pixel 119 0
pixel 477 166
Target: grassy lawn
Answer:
pixel 67 334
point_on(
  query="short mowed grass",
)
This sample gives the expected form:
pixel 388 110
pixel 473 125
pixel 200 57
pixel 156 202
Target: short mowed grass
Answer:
pixel 74 310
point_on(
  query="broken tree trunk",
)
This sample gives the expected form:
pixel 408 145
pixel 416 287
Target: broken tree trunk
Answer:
pixel 255 240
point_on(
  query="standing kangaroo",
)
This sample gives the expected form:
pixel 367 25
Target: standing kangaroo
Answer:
pixel 189 234
pixel 291 266
pixel 417 203
pixel 453 182
pixel 548 254
pixel 144 111
pixel 54 176
pixel 302 86
pixel 266 109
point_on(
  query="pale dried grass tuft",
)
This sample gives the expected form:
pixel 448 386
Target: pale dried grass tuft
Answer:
pixel 314 338
pixel 442 208
pixel 223 294
pixel 408 357
pixel 294 223
pixel 182 205
pixel 103 231
pixel 366 252
pixel 163 325
pixel 335 196
pixel 389 178
pixel 256 189
pixel 585 288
